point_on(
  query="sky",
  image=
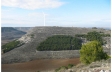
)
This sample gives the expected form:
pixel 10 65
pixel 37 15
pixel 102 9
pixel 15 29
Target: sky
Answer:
pixel 76 13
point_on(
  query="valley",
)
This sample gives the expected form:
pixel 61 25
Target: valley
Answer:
pixel 27 58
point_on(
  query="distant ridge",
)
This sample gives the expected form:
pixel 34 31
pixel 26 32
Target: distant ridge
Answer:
pixel 24 29
pixel 8 29
pixel 9 33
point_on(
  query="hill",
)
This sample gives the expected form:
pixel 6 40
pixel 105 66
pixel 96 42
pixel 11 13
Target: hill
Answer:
pixel 9 33
pixel 24 29
pixel 28 52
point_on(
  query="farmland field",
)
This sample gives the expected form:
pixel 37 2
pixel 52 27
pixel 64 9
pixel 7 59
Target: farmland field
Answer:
pixel 38 65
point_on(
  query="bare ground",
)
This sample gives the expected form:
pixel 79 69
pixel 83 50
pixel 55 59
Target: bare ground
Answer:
pixel 38 65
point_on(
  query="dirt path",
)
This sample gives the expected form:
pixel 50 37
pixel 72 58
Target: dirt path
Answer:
pixel 38 65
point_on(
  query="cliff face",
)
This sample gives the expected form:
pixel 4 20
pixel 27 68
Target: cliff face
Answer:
pixel 36 35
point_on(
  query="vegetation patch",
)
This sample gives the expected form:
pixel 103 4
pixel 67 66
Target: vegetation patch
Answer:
pixel 32 35
pixel 64 67
pixel 91 36
pixel 60 42
pixel 11 45
pixel 70 66
pixel 91 52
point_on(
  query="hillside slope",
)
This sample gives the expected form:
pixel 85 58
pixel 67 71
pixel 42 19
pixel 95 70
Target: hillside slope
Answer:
pixel 28 51
pixel 9 33
pixel 24 29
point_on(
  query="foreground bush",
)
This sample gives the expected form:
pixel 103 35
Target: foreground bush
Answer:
pixel 91 52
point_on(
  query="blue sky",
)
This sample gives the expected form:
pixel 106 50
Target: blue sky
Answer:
pixel 77 13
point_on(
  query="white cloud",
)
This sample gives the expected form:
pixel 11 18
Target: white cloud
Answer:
pixel 32 4
pixel 28 19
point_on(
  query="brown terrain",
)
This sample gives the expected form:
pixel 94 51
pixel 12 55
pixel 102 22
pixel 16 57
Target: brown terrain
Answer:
pixel 19 59
pixel 38 65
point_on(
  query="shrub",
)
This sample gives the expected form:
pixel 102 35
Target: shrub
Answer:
pixel 91 52
pixel 64 67
pixel 58 69
pixel 70 66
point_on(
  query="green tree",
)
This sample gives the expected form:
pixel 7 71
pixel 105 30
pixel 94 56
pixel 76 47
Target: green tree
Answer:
pixel 91 52
pixel 91 36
